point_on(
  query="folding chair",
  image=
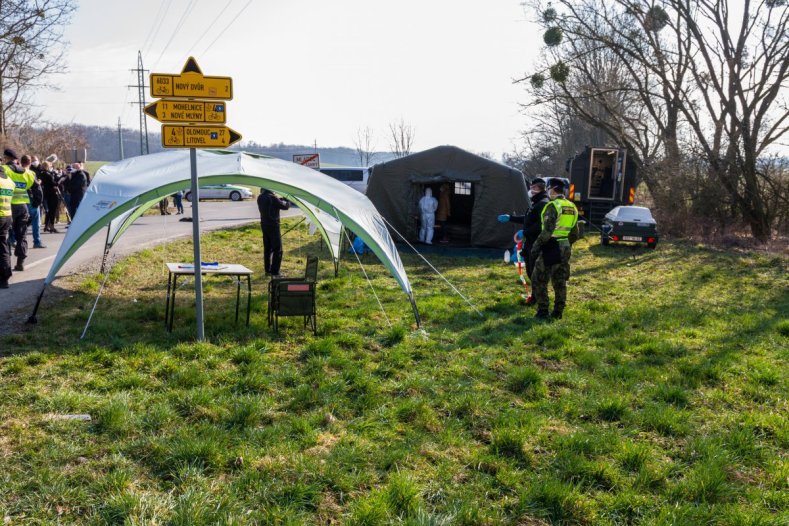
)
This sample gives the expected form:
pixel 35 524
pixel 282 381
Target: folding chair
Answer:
pixel 294 296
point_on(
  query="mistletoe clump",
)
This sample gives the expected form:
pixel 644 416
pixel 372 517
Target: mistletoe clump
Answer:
pixel 559 72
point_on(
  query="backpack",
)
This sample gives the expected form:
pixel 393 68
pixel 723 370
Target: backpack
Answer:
pixel 36 195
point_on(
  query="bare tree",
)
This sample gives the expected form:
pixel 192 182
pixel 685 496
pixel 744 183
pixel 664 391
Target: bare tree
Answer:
pixel 401 136
pixel 677 76
pixel 31 49
pixel 44 138
pixel 364 143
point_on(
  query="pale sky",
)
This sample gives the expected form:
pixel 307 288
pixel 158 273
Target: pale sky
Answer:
pixel 317 70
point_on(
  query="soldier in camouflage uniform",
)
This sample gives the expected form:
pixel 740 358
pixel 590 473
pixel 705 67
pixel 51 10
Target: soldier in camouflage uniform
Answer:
pixel 551 251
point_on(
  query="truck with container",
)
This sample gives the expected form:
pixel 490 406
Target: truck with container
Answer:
pixel 601 178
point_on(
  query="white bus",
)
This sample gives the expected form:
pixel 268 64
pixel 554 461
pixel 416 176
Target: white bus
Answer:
pixel 355 177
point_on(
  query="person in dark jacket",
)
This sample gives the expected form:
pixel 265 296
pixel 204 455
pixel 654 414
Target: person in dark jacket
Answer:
pixel 49 184
pixel 36 195
pixel 178 201
pixel 269 206
pixel 77 184
pixel 532 223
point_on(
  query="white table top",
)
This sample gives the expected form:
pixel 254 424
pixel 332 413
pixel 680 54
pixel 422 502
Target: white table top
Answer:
pixel 230 269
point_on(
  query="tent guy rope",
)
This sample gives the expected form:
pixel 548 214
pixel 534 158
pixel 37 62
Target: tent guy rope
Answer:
pixel 434 268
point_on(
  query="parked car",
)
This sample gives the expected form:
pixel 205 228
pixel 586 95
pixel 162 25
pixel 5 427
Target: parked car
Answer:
pixel 629 223
pixel 221 191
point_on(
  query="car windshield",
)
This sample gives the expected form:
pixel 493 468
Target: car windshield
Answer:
pixel 634 213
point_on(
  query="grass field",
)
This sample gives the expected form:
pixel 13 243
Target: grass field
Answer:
pixel 660 399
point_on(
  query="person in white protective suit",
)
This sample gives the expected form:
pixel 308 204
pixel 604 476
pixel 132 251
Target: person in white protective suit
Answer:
pixel 427 210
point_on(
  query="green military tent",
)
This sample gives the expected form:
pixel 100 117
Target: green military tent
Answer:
pixel 480 189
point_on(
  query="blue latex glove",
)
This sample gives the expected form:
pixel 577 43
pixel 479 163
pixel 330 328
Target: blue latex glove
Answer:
pixel 504 218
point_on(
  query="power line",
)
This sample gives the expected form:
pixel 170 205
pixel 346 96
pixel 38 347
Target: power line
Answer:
pixel 159 23
pixel 187 11
pixel 214 21
pixel 156 19
pixel 226 27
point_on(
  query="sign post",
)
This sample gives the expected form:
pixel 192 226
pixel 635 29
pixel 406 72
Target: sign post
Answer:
pixel 196 244
pixel 204 129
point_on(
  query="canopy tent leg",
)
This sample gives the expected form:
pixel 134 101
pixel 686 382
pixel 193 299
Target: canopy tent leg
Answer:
pixel 32 319
pixel 106 249
pixel 339 252
pixel 416 311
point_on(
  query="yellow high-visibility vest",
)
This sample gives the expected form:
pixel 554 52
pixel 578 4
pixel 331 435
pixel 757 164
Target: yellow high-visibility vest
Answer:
pixel 22 182
pixel 567 217
pixel 7 187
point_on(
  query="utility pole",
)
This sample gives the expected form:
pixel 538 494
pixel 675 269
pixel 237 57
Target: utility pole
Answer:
pixel 141 101
pixel 120 139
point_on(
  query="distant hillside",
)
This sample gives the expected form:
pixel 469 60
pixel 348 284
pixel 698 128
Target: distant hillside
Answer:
pixel 103 146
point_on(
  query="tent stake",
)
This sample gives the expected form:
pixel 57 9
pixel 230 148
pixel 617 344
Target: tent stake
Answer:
pixel 198 265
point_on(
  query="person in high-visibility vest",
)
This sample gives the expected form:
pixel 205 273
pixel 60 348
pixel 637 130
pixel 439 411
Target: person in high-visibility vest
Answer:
pixel 7 189
pixel 532 224
pixel 551 251
pixel 6 193
pixel 19 201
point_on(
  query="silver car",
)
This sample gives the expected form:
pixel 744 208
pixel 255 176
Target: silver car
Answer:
pixel 221 191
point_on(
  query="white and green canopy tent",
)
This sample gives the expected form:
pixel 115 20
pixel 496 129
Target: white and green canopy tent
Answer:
pixel 122 191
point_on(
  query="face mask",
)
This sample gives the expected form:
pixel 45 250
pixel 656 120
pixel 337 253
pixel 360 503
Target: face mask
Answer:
pixel 531 194
pixel 35 163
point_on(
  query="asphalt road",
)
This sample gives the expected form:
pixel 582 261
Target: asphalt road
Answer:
pixel 17 301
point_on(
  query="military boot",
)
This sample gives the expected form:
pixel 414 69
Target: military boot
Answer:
pixel 542 315
pixel 556 315
pixel 20 264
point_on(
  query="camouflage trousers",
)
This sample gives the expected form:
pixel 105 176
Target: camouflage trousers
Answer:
pixel 558 275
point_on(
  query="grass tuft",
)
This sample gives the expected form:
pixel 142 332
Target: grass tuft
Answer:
pixel 394 335
pixel 527 382
pixel 402 496
pixel 612 409
pixel 509 443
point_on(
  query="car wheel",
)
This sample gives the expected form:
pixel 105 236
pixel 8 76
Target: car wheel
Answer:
pixel 604 240
pixel 653 246
pixel 235 196
pixel 188 197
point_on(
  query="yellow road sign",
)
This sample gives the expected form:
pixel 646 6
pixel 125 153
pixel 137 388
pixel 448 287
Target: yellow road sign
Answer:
pixel 191 84
pixel 180 136
pixel 187 111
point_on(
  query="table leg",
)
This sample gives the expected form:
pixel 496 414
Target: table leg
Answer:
pixel 238 294
pixel 172 303
pixel 269 302
pixel 249 296
pixel 167 305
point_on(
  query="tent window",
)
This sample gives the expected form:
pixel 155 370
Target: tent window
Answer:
pixel 462 188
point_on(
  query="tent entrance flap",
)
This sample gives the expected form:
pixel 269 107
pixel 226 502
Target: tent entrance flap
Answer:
pixel 455 210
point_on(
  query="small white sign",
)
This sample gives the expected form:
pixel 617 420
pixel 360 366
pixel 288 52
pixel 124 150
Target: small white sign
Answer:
pixel 310 160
